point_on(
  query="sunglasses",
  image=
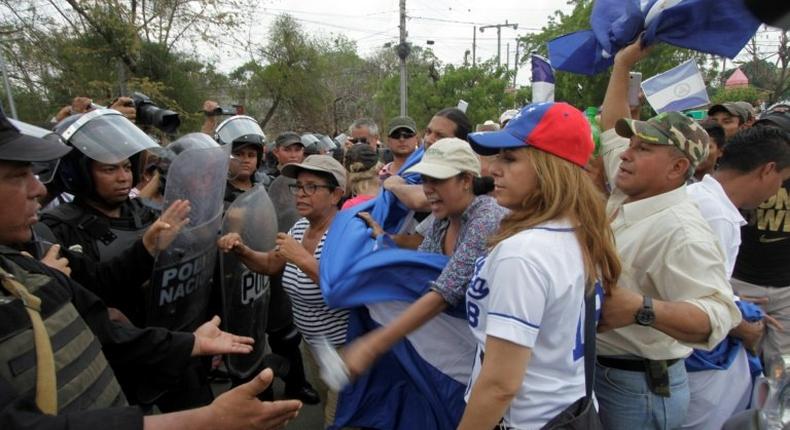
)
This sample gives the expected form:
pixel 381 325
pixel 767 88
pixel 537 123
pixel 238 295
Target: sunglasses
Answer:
pixel 356 140
pixel 402 135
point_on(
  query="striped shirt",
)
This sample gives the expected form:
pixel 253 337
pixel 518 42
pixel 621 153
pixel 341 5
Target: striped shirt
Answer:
pixel 312 316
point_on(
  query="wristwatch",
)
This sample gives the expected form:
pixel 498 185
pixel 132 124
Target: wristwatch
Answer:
pixel 645 315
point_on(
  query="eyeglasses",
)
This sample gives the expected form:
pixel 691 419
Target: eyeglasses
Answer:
pixel 402 135
pixel 356 140
pixel 308 189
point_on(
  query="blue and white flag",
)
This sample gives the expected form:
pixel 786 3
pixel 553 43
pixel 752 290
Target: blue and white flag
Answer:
pixel 677 89
pixel 542 80
pixel 720 27
pixel 420 382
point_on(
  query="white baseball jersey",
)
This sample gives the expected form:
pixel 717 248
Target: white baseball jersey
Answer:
pixel 529 290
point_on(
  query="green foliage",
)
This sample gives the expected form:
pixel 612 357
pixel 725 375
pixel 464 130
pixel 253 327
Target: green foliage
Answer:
pixel 431 87
pixel 750 94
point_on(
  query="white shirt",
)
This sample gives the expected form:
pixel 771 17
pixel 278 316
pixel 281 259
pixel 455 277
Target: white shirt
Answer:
pixel 722 216
pixel 529 290
pixel 668 252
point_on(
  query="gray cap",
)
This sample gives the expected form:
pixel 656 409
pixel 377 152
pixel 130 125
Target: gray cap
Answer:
pixel 401 122
pixel 732 109
pixel 318 163
pixel 15 146
pixel 287 138
pixel 746 106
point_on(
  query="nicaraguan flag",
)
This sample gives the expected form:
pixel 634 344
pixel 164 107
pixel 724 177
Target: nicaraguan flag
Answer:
pixel 542 80
pixel 420 383
pixel 720 27
pixel 677 89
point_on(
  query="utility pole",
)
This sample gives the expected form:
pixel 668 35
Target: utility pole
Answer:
pixel 515 63
pixel 499 37
pixel 507 61
pixel 403 52
pixel 474 46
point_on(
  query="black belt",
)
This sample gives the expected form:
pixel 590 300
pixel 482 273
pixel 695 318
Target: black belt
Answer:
pixel 631 365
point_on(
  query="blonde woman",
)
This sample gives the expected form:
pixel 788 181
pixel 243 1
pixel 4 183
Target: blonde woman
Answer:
pixel 525 304
pixel 362 164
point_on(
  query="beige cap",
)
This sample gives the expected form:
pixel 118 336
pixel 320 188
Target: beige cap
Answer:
pixel 446 158
pixel 318 163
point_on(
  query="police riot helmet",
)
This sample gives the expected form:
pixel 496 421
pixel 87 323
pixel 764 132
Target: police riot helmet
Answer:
pixel 240 131
pixel 102 135
pixel 169 153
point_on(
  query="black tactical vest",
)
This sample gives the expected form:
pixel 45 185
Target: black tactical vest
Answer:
pixel 85 380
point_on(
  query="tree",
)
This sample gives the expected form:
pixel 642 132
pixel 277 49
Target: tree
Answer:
pixel 102 49
pixel 432 87
pixel 769 69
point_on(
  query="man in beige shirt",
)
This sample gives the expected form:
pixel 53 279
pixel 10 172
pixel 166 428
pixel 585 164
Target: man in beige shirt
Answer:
pixel 674 294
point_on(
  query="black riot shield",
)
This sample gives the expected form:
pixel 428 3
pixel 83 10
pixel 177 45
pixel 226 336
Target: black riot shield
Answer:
pixel 246 294
pixel 284 202
pixel 182 278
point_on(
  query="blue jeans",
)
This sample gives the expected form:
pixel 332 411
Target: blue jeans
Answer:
pixel 626 402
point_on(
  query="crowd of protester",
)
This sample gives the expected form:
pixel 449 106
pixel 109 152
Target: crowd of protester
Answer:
pixel 674 236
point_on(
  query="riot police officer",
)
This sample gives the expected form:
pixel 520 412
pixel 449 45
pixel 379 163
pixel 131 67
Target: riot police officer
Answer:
pixel 102 221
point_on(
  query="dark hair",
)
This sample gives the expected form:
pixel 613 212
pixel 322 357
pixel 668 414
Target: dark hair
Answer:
pixel 751 148
pixel 462 124
pixel 715 131
pixel 482 185
pixel 360 158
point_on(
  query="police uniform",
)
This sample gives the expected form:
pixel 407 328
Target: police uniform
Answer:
pixel 99 237
pixel 89 350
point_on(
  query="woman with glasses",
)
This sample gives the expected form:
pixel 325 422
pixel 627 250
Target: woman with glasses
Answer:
pixel 319 188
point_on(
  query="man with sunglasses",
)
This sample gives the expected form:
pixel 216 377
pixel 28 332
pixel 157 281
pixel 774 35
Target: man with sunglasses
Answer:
pixel 401 141
pixel 363 130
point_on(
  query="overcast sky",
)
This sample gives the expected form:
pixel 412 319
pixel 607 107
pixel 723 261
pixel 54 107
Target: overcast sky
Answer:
pixel 372 23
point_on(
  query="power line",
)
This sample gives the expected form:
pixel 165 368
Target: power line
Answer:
pixel 452 21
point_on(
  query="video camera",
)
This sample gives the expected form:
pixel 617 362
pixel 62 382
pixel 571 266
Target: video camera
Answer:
pixel 150 114
pixel 224 110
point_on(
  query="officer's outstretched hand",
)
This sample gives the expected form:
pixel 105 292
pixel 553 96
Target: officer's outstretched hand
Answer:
pixel 210 340
pixel 239 408
pixel 162 232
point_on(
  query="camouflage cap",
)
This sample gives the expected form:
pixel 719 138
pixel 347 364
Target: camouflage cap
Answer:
pixel 669 128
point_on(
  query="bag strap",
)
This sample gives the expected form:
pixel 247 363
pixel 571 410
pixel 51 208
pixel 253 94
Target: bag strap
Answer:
pixel 46 385
pixel 589 342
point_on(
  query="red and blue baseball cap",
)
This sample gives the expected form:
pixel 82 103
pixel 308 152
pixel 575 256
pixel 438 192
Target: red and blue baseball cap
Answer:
pixel 556 128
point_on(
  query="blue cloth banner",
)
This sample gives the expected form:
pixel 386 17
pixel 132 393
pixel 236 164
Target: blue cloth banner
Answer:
pixel 420 383
pixel 722 356
pixel 710 26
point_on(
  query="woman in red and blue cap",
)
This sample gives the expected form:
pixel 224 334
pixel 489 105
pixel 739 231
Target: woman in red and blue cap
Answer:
pixel 526 301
